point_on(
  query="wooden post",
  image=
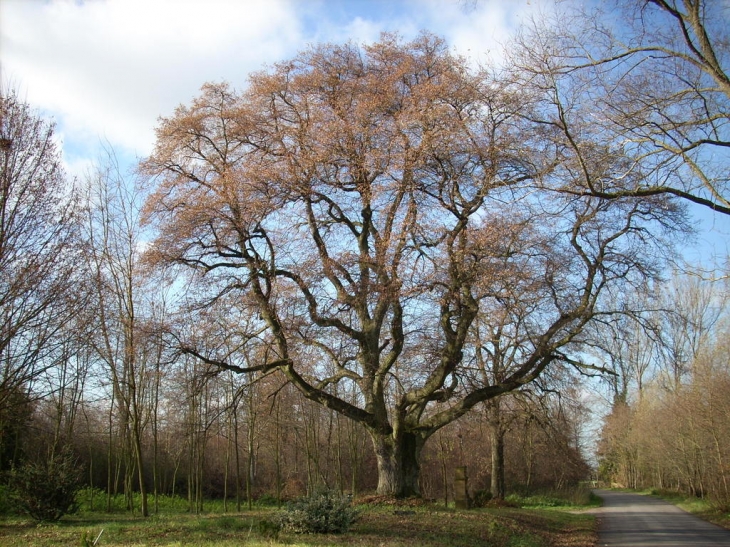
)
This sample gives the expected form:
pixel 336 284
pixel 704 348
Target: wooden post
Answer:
pixel 461 492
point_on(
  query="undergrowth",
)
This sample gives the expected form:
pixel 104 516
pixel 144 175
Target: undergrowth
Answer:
pixel 578 497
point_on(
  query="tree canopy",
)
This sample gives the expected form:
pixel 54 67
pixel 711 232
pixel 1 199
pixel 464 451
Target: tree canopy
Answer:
pixel 367 204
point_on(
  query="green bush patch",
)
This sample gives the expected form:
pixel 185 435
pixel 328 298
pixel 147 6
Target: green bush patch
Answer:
pixel 324 512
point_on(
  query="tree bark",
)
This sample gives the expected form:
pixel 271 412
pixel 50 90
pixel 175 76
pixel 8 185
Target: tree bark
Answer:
pixel 140 471
pixel 497 432
pixel 398 458
pixel 497 441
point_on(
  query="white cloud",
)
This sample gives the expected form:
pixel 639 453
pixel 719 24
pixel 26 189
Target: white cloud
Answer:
pixel 479 29
pixel 110 67
pixel 106 69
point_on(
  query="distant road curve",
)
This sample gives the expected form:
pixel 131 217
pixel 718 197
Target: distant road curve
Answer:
pixel 632 520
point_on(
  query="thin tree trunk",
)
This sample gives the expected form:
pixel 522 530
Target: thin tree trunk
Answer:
pixel 238 459
pixel 250 461
pixel 155 435
pixel 277 451
pixel 496 436
pixel 338 454
pixel 444 473
pixel 355 454
pixel 137 434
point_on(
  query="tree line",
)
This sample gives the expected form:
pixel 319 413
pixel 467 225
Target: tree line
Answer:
pixel 668 425
pixel 117 383
pixel 368 257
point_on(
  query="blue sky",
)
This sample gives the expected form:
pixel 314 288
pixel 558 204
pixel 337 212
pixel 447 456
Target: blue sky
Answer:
pixel 105 70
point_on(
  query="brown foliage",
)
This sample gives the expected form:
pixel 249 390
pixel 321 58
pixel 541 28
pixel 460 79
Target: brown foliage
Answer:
pixel 674 435
pixel 367 204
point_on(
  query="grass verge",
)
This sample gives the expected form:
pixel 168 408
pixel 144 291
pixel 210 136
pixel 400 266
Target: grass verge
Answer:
pixel 568 499
pixel 702 508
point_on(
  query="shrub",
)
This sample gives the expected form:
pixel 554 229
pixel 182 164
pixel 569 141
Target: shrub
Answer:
pixel 269 529
pixel 481 498
pixel 267 500
pixel 6 503
pixel 324 512
pixel 47 490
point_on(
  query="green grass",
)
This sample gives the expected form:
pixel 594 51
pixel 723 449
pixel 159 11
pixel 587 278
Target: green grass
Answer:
pixel 427 526
pixel 91 500
pixel 167 530
pixel 566 499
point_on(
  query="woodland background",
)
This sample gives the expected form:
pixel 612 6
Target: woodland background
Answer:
pixel 114 361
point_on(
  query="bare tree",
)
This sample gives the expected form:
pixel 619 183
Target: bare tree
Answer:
pixel 674 435
pixel 366 203
pixel 113 242
pixel 691 310
pixel 39 268
pixel 650 76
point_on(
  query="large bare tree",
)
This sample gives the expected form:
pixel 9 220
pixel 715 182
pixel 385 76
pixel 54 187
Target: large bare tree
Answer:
pixel 367 204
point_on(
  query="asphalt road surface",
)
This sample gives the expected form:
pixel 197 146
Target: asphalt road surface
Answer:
pixel 631 520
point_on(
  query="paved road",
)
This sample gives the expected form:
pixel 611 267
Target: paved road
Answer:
pixel 631 520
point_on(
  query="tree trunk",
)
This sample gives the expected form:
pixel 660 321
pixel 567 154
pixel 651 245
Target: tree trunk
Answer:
pixel 398 463
pixel 497 486
pixel 155 436
pixel 444 470
pixel 140 472
pixel 496 436
pixel 109 461
pixel 277 451
pixel 227 466
pixel 355 454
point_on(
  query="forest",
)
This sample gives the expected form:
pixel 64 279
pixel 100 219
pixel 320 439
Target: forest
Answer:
pixel 378 263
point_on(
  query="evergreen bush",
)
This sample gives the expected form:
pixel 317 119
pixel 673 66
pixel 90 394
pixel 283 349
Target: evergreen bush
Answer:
pixel 324 512
pixel 46 490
